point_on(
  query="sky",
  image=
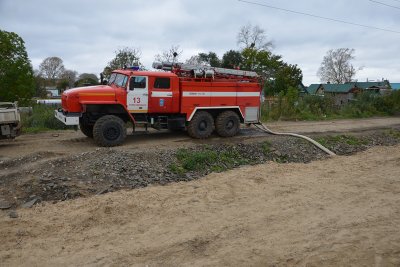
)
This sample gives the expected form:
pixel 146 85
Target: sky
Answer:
pixel 86 33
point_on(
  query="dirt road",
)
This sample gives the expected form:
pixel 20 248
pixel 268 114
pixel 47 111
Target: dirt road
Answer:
pixel 340 126
pixel 73 142
pixel 343 211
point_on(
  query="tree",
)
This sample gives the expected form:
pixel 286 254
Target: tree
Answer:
pixel 210 59
pixel 336 66
pixel 261 61
pixel 250 36
pixel 124 57
pixel 67 79
pixel 256 55
pixel 277 75
pixel 194 60
pixel 287 76
pixel 40 85
pixel 232 59
pixel 51 68
pixel 90 76
pixel 169 55
pixel 87 78
pixel 16 74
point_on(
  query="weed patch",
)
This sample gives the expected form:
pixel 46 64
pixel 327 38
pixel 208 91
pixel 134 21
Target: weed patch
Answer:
pixel 41 119
pixel 393 133
pixel 266 147
pixel 290 106
pixel 330 141
pixel 208 159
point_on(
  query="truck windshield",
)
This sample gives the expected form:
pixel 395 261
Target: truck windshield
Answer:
pixel 118 79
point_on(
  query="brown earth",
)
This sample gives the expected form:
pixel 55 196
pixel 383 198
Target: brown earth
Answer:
pixel 73 142
pixel 339 211
pixel 349 125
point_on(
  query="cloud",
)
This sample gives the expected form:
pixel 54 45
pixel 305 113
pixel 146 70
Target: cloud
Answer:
pixel 85 34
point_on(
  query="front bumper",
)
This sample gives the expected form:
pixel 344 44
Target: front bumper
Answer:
pixel 72 119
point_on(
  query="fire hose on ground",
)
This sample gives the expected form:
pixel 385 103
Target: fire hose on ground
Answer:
pixel 262 127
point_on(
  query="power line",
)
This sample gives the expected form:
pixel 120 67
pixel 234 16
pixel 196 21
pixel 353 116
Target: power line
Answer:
pixel 319 17
pixel 380 3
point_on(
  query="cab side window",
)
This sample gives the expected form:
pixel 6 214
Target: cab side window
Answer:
pixel 137 82
pixel 162 83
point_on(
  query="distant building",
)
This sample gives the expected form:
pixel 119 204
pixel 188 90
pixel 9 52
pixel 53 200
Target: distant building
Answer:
pixel 376 87
pixel 312 89
pixel 344 93
pixel 302 89
pixel 51 102
pixel 395 86
pixel 53 92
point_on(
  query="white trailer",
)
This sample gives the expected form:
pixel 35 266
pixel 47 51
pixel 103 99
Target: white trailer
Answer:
pixel 10 120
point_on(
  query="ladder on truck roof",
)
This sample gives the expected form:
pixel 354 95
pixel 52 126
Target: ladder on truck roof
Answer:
pixel 203 71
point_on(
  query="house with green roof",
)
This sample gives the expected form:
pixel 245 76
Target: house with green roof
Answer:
pixel 342 93
pixel 347 92
pixel 302 89
pixel 375 87
pixel 312 89
pixel 395 86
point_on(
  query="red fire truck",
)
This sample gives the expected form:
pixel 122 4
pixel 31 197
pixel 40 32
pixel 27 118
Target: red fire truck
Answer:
pixel 200 99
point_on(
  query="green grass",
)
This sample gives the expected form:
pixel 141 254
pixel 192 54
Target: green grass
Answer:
pixel 176 168
pixel 312 108
pixel 207 159
pixel 42 119
pixel 393 133
pixel 34 130
pixel 341 139
pixel 266 147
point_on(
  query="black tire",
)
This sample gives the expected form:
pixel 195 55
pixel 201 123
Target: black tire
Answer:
pixel 86 128
pixel 201 126
pixel 109 130
pixel 227 124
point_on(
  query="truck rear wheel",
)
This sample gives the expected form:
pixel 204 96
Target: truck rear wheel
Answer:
pixel 201 126
pixel 227 124
pixel 109 131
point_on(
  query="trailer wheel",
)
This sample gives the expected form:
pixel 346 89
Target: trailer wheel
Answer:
pixel 201 126
pixel 227 124
pixel 109 130
pixel 86 129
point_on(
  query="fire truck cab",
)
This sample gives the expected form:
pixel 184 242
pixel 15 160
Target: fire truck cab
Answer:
pixel 183 97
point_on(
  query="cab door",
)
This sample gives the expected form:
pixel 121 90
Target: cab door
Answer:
pixel 138 94
pixel 161 95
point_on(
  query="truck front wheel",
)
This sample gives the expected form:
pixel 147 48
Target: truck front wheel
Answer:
pixel 86 129
pixel 109 131
pixel 201 126
pixel 227 124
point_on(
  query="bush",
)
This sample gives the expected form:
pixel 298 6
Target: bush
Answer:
pixel 313 107
pixel 41 119
pixel 207 158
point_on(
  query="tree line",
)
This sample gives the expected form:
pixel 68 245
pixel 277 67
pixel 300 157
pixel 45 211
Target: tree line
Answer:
pixel 254 54
pixel 19 82
pixel 52 73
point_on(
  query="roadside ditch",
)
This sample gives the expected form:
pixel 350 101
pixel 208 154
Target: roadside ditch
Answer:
pixel 107 169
